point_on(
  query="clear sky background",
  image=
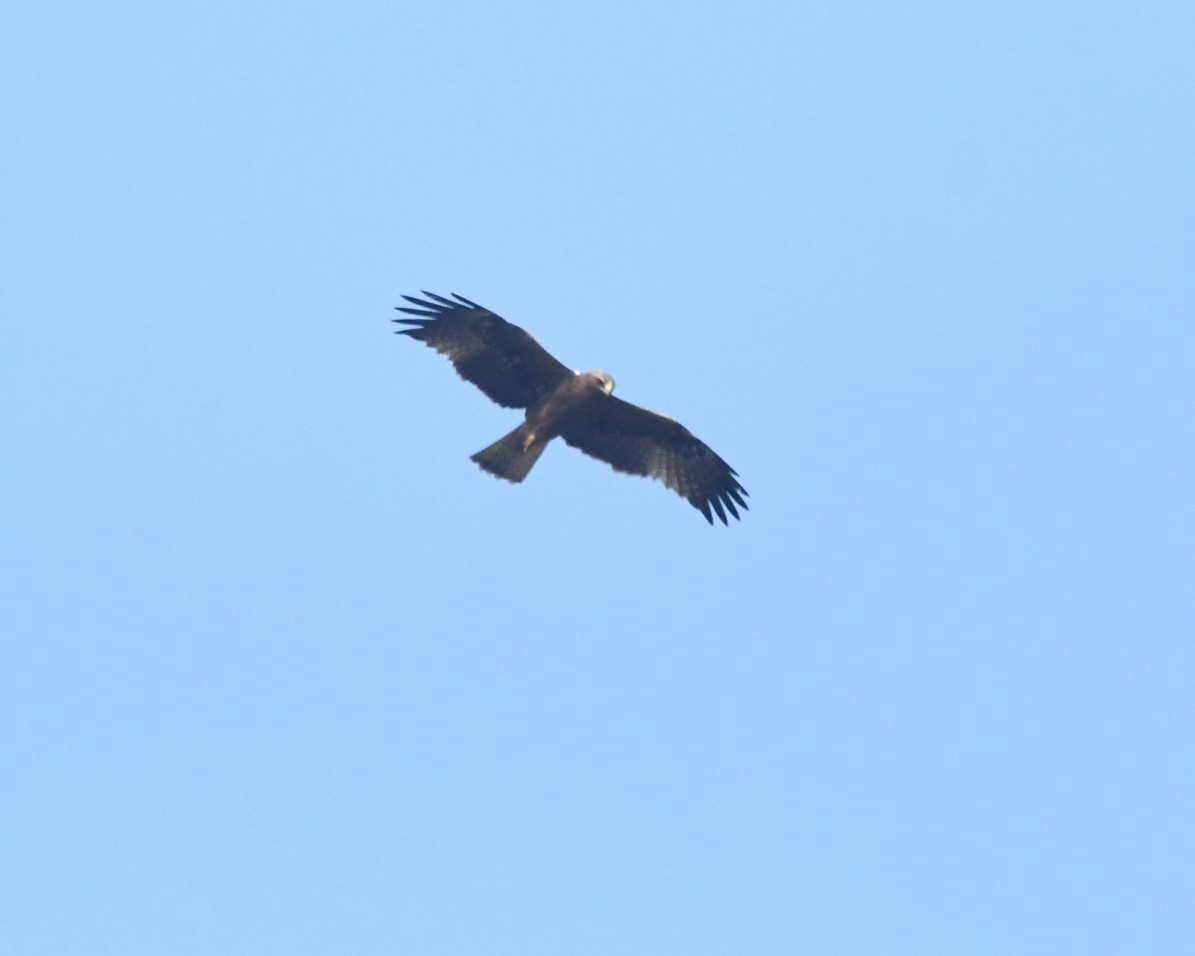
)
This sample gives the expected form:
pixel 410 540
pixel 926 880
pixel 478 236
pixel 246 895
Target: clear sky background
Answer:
pixel 283 672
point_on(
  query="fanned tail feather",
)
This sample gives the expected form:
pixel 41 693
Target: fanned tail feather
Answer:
pixel 512 456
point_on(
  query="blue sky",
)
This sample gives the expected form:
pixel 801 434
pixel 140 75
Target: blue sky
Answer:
pixel 285 673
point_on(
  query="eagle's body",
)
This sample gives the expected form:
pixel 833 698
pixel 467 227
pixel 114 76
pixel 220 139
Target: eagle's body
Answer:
pixel 515 371
pixel 511 457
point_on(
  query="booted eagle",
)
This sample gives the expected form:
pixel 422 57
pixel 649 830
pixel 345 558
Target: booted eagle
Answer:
pixel 517 372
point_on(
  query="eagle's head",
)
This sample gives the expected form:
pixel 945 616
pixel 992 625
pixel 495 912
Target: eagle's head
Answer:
pixel 603 380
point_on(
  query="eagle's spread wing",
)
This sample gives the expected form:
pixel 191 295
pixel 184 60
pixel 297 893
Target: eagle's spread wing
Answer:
pixel 642 442
pixel 499 358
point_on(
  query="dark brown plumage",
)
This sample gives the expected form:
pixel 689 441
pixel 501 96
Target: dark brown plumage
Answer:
pixel 517 372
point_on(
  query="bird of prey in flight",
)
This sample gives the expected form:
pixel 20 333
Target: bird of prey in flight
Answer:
pixel 515 371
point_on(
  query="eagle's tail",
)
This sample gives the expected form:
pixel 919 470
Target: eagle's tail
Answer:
pixel 511 457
